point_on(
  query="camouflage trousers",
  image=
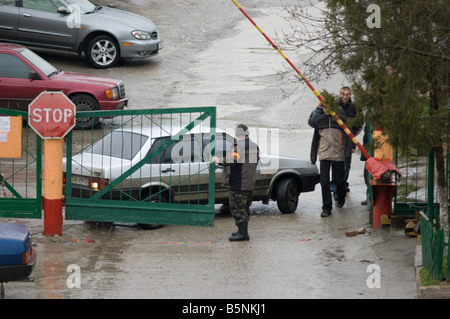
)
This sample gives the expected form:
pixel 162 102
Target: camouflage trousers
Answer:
pixel 240 202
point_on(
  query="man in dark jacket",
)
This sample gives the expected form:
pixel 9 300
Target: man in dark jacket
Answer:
pixel 346 103
pixel 328 143
pixel 239 174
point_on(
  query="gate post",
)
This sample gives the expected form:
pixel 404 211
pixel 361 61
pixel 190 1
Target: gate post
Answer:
pixel 52 115
pixel 53 184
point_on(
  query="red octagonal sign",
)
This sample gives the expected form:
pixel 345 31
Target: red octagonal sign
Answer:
pixel 51 115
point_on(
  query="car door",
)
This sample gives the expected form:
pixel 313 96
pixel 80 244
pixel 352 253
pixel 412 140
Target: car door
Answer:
pixel 41 24
pixel 224 143
pixel 181 167
pixel 9 19
pixel 16 89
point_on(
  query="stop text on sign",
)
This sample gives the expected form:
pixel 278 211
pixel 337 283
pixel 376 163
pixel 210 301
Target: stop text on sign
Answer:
pixel 52 115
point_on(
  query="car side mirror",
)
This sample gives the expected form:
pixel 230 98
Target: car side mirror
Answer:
pixel 34 75
pixel 64 10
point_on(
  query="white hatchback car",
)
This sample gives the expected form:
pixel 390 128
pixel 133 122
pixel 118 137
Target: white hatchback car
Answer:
pixel 180 172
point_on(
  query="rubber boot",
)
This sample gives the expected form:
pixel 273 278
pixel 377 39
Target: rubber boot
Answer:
pixel 241 234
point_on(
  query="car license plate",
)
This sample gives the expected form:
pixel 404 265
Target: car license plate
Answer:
pixel 80 180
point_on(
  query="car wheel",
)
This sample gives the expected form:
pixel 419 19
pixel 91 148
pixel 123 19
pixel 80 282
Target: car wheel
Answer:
pixel 84 102
pixel 154 199
pixel 103 52
pixel 287 196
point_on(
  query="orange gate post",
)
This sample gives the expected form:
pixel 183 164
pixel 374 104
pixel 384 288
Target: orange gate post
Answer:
pixel 53 199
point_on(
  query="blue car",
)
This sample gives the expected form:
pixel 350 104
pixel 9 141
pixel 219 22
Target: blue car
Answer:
pixel 17 256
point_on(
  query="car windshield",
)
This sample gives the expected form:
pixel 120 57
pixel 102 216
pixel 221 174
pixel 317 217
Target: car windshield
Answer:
pixel 119 144
pixel 39 62
pixel 83 6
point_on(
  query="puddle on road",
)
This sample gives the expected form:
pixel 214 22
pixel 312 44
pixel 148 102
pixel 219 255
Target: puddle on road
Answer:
pixel 94 250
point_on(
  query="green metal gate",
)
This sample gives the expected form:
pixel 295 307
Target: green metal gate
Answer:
pixel 143 166
pixel 20 178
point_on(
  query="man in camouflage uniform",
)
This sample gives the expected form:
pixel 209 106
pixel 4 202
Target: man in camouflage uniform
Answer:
pixel 239 174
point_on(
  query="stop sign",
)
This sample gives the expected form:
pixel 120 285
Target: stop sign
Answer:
pixel 51 115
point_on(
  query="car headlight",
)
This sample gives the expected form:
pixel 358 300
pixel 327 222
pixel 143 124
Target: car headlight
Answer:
pixel 112 94
pixel 141 35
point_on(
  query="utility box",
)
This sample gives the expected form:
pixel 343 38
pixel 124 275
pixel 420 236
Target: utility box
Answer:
pixel 385 149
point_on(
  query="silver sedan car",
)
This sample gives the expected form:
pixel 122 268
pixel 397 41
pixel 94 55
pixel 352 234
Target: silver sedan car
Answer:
pixel 180 174
pixel 104 34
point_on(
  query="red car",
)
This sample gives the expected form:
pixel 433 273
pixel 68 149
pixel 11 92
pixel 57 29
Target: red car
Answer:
pixel 24 75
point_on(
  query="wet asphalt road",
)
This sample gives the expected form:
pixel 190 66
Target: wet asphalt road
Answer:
pixel 213 56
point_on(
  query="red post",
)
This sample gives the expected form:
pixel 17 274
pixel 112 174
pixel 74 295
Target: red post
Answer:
pixel 382 195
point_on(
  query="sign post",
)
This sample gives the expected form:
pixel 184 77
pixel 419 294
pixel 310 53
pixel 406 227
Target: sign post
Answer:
pixel 52 115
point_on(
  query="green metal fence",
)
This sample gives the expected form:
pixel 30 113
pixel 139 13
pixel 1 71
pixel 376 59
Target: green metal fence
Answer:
pixel 20 178
pixel 143 166
pixel 416 186
pixel 433 248
pixel 432 235
pixel 417 189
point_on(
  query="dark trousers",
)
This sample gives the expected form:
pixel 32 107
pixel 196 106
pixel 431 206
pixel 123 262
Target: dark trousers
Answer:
pixel 338 172
pixel 347 167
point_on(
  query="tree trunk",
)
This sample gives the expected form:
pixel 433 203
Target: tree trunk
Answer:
pixel 443 196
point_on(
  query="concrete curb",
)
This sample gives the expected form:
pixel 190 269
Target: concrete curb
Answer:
pixel 428 292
